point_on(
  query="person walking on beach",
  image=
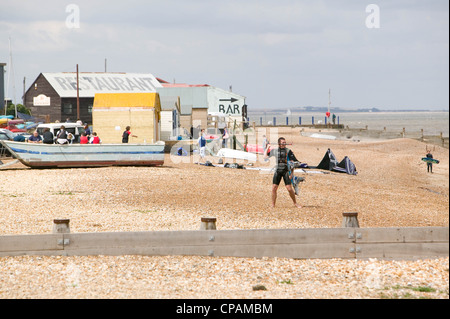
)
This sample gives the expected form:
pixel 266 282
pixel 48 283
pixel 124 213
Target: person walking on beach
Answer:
pixel 283 155
pixel 225 137
pixel 201 145
pixel 265 143
pixel 429 164
pixel 126 134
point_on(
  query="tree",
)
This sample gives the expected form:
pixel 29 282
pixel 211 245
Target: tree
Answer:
pixel 11 110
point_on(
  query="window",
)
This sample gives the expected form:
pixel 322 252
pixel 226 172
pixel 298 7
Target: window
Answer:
pixel 67 108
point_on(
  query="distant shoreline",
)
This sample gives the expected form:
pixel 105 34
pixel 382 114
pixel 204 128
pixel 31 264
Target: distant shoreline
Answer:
pixel 414 123
pixel 337 110
pixel 361 134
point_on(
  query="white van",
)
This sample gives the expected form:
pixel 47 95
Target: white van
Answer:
pixel 74 128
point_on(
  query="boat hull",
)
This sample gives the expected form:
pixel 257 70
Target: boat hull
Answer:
pixel 236 154
pixel 86 155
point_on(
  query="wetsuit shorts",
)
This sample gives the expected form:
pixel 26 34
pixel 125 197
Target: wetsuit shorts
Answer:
pixel 281 174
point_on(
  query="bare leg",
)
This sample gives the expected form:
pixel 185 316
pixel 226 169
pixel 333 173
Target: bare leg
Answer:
pixel 274 194
pixel 292 194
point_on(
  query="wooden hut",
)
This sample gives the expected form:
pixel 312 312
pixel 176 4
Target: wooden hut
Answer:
pixel 113 112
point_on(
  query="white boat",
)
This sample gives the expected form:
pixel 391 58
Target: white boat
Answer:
pixel 86 155
pixel 323 136
pixel 236 154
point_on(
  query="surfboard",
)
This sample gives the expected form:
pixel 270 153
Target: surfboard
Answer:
pixel 430 160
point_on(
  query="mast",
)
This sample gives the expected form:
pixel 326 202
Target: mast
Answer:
pixel 78 97
pixel 2 86
pixel 11 70
pixel 329 99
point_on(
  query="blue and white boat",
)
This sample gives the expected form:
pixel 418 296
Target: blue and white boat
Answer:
pixel 38 155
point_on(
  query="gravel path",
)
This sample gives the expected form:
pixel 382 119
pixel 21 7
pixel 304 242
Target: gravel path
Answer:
pixel 392 189
pixel 214 277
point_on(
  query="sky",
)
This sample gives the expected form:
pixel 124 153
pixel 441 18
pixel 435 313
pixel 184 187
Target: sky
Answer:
pixel 387 54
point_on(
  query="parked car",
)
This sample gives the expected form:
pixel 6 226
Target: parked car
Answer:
pixel 74 128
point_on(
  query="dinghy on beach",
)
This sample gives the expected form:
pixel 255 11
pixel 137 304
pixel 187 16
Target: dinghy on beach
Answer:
pixel 236 154
pixel 86 155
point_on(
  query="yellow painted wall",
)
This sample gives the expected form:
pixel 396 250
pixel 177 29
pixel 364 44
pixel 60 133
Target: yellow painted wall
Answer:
pixel 113 112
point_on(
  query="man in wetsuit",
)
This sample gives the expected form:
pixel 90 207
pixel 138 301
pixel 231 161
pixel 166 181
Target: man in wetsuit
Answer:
pixel 429 164
pixel 282 155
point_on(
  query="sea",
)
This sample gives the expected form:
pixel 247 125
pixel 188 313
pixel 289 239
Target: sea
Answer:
pixel 433 123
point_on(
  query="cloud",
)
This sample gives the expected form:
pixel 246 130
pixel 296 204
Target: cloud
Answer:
pixel 257 46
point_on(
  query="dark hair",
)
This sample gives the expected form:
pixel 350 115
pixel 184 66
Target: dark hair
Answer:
pixel 281 138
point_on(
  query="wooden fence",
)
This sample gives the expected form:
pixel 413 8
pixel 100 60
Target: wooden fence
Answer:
pixel 345 242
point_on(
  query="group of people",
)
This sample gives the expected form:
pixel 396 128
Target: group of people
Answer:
pixel 64 137
pixel 61 137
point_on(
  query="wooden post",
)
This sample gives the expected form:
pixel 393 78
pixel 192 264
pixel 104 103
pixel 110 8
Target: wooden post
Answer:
pixel 350 220
pixel 208 223
pixel 61 226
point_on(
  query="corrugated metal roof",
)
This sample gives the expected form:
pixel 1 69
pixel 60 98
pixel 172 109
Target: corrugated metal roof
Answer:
pixel 168 102
pixel 90 83
pixel 186 109
pixel 182 85
pixel 196 96
pixel 178 85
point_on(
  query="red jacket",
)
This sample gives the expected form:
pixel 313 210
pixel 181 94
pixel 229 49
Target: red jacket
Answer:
pixel 96 140
pixel 83 139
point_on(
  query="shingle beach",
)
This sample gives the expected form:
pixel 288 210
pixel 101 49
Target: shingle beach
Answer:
pixel 392 189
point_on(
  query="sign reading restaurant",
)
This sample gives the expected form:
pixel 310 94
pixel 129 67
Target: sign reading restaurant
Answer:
pixel 90 83
pixel 41 100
